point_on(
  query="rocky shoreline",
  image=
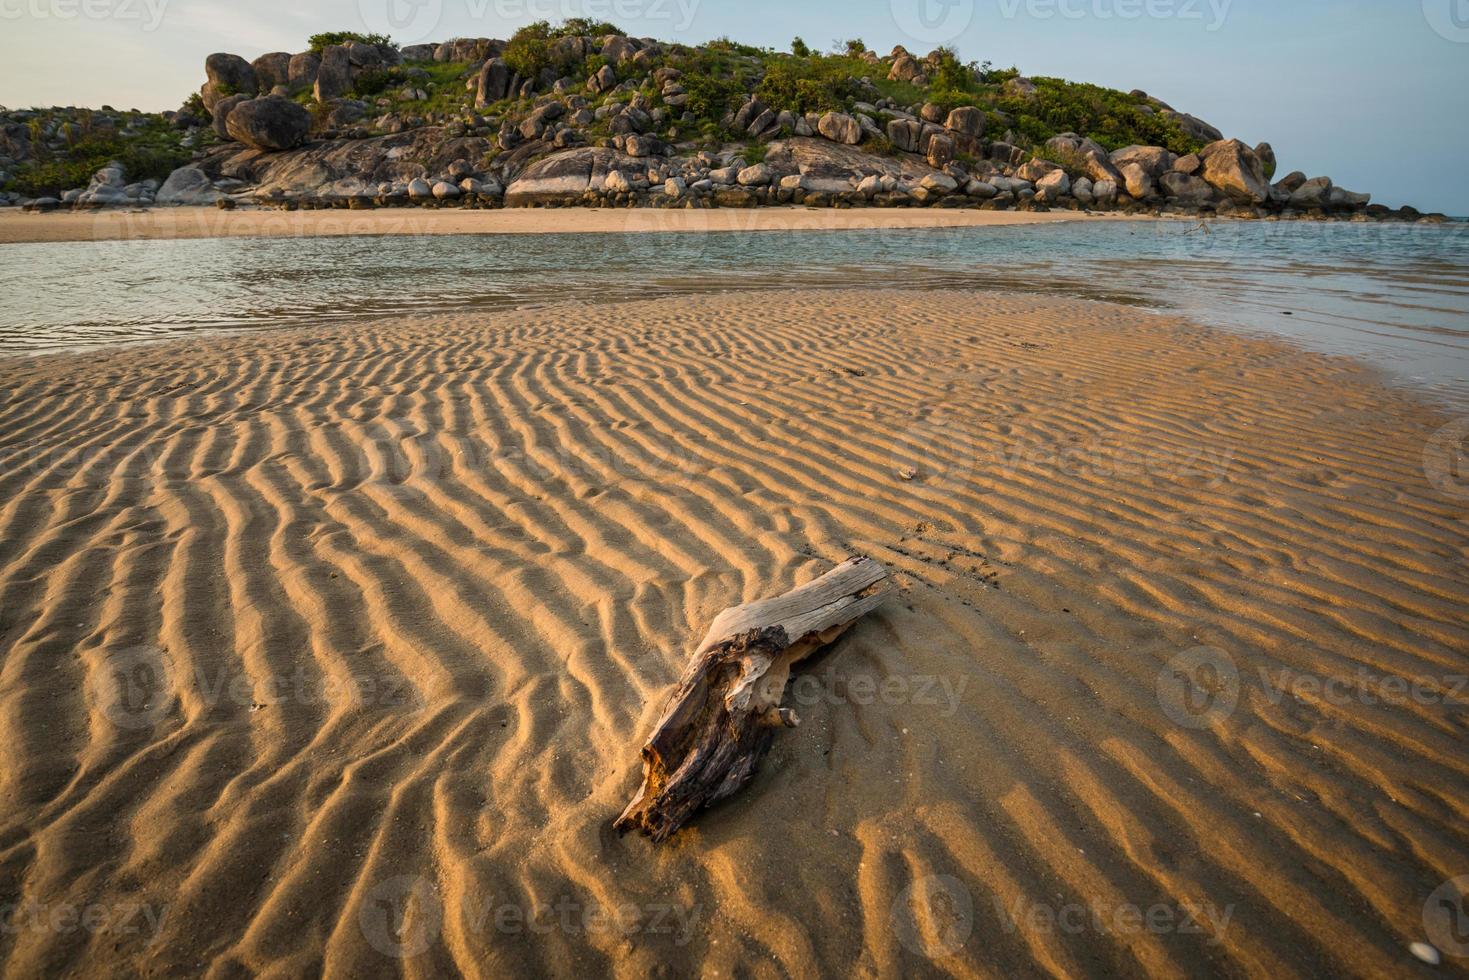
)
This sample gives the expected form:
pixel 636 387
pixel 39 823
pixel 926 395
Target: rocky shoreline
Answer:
pixel 576 136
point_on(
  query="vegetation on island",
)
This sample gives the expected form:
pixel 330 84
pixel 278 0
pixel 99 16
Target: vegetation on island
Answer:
pixel 717 78
pixel 69 145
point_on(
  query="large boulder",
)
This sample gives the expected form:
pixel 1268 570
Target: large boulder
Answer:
pixel 534 125
pixel 904 134
pixel 496 82
pixel 1291 182
pixel 301 73
pixel 271 70
pixel 617 49
pixel 228 74
pixel 905 68
pixel 755 176
pixel 187 186
pixel 604 79
pixel 1100 167
pixel 1314 193
pixel 1052 187
pixel 1194 126
pixel 1035 169
pixel 1233 168
pixel 1154 160
pixel 1266 153
pixel 967 119
pixel 1019 87
pixel 334 76
pixel 418 52
pixel 362 55
pixel 1343 198
pixel 269 123
pixel 939 183
pixel 1136 181
pixel 840 128
pixel 1186 188
pixel 568 51
pixel 222 110
pixel 940 151
pixel 747 113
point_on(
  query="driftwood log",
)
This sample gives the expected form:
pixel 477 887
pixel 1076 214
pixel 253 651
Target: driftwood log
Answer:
pixel 723 715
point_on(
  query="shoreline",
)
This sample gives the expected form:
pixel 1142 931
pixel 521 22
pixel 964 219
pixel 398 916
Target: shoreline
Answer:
pixel 162 224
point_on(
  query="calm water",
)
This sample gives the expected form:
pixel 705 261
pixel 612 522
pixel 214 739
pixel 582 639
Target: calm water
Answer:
pixel 1395 296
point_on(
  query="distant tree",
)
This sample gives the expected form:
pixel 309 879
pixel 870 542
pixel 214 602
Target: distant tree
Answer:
pixel 318 42
pixel 800 49
pixel 855 47
pixel 586 27
pixel 949 73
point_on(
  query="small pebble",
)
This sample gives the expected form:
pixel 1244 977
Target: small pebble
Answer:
pixel 1425 952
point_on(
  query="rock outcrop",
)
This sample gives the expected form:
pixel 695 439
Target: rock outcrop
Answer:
pixel 333 74
pixel 269 123
pixel 617 121
pixel 227 74
pixel 1232 168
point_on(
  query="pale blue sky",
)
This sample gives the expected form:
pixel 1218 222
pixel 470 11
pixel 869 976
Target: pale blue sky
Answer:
pixel 1373 94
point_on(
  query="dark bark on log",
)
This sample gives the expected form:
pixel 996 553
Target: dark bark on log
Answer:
pixel 722 717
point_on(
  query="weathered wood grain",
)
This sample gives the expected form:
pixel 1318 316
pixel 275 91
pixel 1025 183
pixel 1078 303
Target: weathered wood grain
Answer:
pixel 722 716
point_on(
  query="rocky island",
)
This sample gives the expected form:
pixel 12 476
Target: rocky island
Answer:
pixel 583 115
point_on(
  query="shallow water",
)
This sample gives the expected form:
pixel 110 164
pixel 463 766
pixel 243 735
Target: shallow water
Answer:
pixel 1396 296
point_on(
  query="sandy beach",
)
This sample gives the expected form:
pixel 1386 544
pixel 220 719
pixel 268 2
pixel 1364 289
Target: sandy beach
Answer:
pixel 170 223
pixel 330 650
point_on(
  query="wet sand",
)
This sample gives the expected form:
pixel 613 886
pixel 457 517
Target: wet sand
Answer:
pixel 170 223
pixel 330 650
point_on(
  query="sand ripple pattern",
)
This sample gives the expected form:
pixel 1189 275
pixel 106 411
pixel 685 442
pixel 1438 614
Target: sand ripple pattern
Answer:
pixel 328 651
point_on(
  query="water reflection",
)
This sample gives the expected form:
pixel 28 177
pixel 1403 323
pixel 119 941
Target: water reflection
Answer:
pixel 1395 295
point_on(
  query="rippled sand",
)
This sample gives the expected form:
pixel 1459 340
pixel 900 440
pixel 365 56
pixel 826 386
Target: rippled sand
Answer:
pixel 331 651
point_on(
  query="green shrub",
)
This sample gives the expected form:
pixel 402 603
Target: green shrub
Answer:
pixel 755 153
pixel 802 85
pixel 529 49
pixel 724 45
pixel 154 151
pixel 585 27
pixel 950 74
pixel 711 96
pixel 319 42
pixel 372 81
pixel 1114 119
